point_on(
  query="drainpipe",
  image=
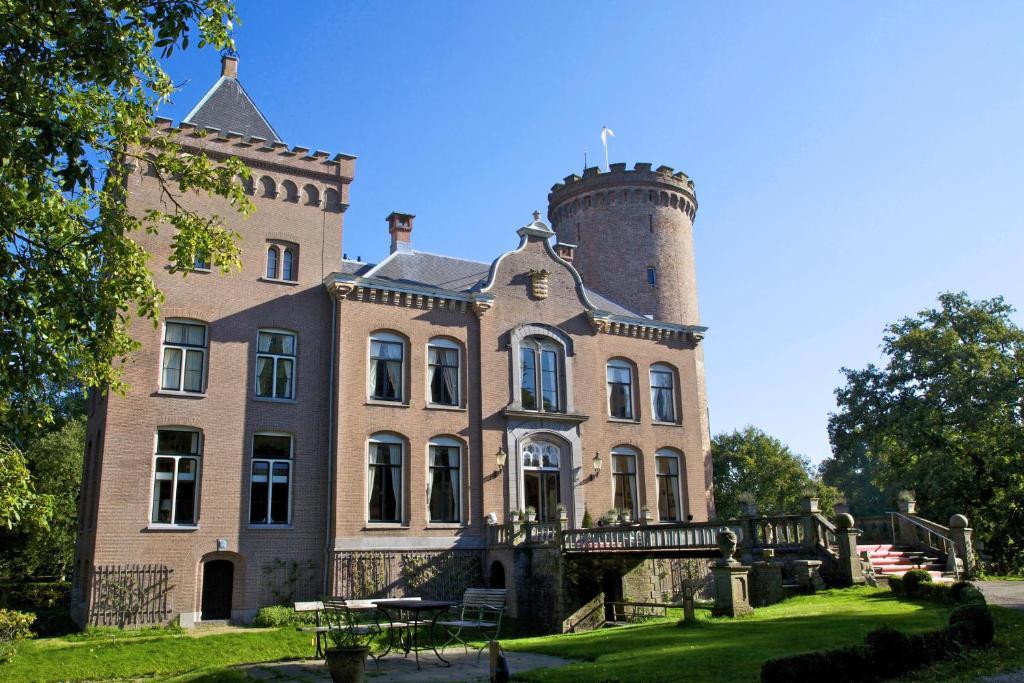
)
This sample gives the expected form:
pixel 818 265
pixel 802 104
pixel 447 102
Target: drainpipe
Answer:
pixel 330 446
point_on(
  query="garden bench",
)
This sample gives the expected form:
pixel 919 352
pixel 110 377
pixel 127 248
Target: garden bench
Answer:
pixel 316 606
pixel 633 612
pixel 481 611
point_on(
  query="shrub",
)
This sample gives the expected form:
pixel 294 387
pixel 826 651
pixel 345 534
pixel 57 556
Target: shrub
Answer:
pixel 973 622
pixel 964 592
pixel 912 581
pixel 36 595
pixel 889 649
pixel 846 665
pixel 896 585
pixel 14 626
pixel 281 615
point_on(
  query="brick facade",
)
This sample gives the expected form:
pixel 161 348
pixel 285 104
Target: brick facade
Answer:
pixel 333 308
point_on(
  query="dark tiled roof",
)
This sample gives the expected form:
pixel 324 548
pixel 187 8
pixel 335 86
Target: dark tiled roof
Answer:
pixel 442 272
pixel 229 108
pixel 355 267
pixel 605 304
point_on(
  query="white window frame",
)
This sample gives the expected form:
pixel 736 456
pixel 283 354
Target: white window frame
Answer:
pixel 392 440
pixel 387 338
pixel 184 350
pixel 275 357
pixel 449 345
pixel 290 461
pixel 670 454
pixel 288 262
pixel 539 344
pixel 446 442
pixel 276 251
pixel 665 368
pixel 198 457
pixel 621 364
pixel 634 483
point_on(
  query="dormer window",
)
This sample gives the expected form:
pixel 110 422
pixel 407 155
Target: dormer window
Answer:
pixel 540 361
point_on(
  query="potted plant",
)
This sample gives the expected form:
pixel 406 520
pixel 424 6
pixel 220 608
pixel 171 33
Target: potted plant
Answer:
pixel 514 516
pixel 907 502
pixel 346 660
pixel 531 514
pixel 748 503
pixel 626 516
pixel 563 514
pixel 809 499
pixel 645 514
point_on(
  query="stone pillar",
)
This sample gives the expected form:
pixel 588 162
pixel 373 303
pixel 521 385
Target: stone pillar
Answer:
pixel 960 533
pixel 732 588
pixel 766 580
pixel 807 575
pixel 906 531
pixel 808 509
pixel 850 572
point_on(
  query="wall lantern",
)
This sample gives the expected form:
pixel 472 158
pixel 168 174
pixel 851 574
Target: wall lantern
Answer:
pixel 597 463
pixel 500 458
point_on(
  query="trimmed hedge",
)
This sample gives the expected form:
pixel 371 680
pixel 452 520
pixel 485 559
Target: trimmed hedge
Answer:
pixel 886 652
pixel 281 615
pixel 959 593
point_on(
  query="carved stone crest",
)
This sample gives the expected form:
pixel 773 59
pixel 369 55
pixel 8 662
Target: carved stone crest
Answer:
pixel 539 283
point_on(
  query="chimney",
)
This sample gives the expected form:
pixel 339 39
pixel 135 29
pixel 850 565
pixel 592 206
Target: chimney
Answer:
pixel 565 251
pixel 400 227
pixel 229 66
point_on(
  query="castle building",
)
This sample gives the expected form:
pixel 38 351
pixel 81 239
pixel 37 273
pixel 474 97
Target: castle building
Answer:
pixel 315 425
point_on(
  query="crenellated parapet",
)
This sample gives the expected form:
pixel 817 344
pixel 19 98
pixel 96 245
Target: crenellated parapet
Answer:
pixel 279 172
pixel 641 185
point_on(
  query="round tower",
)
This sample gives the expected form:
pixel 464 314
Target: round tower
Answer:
pixel 633 237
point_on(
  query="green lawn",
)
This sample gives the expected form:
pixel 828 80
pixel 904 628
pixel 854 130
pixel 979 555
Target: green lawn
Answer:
pixel 711 650
pixel 734 649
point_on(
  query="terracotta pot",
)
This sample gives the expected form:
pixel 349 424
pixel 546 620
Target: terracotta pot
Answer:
pixel 346 664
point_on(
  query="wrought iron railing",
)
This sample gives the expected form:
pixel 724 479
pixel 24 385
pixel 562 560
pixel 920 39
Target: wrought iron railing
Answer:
pixel 653 537
pixel 936 537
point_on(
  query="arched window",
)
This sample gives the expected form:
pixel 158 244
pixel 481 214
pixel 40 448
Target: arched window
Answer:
pixel 287 271
pixel 270 484
pixel 176 476
pixel 291 192
pixel 387 367
pixel 620 389
pixel 332 200
pixel 444 490
pixel 312 195
pixel 267 187
pixel 624 479
pixel 248 186
pixel 663 393
pixel 443 376
pixel 542 461
pixel 670 500
pixel 385 477
pixel 272 262
pixel 540 370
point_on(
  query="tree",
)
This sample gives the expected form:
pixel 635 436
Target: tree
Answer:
pixel 751 462
pixel 79 86
pixel 20 506
pixel 944 417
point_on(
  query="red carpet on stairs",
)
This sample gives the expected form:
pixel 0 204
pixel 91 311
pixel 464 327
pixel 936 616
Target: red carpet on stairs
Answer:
pixel 888 560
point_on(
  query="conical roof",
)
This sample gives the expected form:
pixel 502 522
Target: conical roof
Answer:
pixel 228 107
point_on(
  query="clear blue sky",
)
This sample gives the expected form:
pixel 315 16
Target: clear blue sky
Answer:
pixel 851 160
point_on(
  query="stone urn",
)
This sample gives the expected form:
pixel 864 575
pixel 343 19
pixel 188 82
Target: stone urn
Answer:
pixel 727 545
pixel 907 507
pixel 809 504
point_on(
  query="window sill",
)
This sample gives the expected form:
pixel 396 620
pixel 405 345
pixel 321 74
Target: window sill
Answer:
pixel 391 404
pixel 666 424
pixel 445 525
pixel 518 413
pixel 276 281
pixel 202 270
pixel 172 527
pixel 441 406
pixel 268 399
pixel 180 394
pixel 269 526
pixel 384 526
pixel 624 420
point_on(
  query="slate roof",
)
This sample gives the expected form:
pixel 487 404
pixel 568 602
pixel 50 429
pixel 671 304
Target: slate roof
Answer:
pixel 228 107
pixel 355 267
pixel 606 304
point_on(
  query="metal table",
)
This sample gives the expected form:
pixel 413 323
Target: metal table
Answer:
pixel 413 609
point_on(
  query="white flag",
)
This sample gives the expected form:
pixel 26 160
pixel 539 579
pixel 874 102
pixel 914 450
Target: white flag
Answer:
pixel 605 134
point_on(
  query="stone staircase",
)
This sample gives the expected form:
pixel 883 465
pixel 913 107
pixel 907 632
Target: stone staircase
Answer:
pixel 889 560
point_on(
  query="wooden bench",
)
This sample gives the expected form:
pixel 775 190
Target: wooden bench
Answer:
pixel 320 629
pixel 481 610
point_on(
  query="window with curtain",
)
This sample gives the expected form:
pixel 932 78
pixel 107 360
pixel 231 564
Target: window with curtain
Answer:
pixel 624 480
pixel 540 375
pixel 386 372
pixel 270 484
pixel 669 493
pixel 201 262
pixel 663 398
pixel 275 364
pixel 287 265
pixel 443 484
pixel 443 371
pixel 184 357
pixel 385 479
pixel 176 477
pixel 272 262
pixel 620 389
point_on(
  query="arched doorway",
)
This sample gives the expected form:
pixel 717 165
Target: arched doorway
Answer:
pixel 218 584
pixel 497 577
pixel 542 478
